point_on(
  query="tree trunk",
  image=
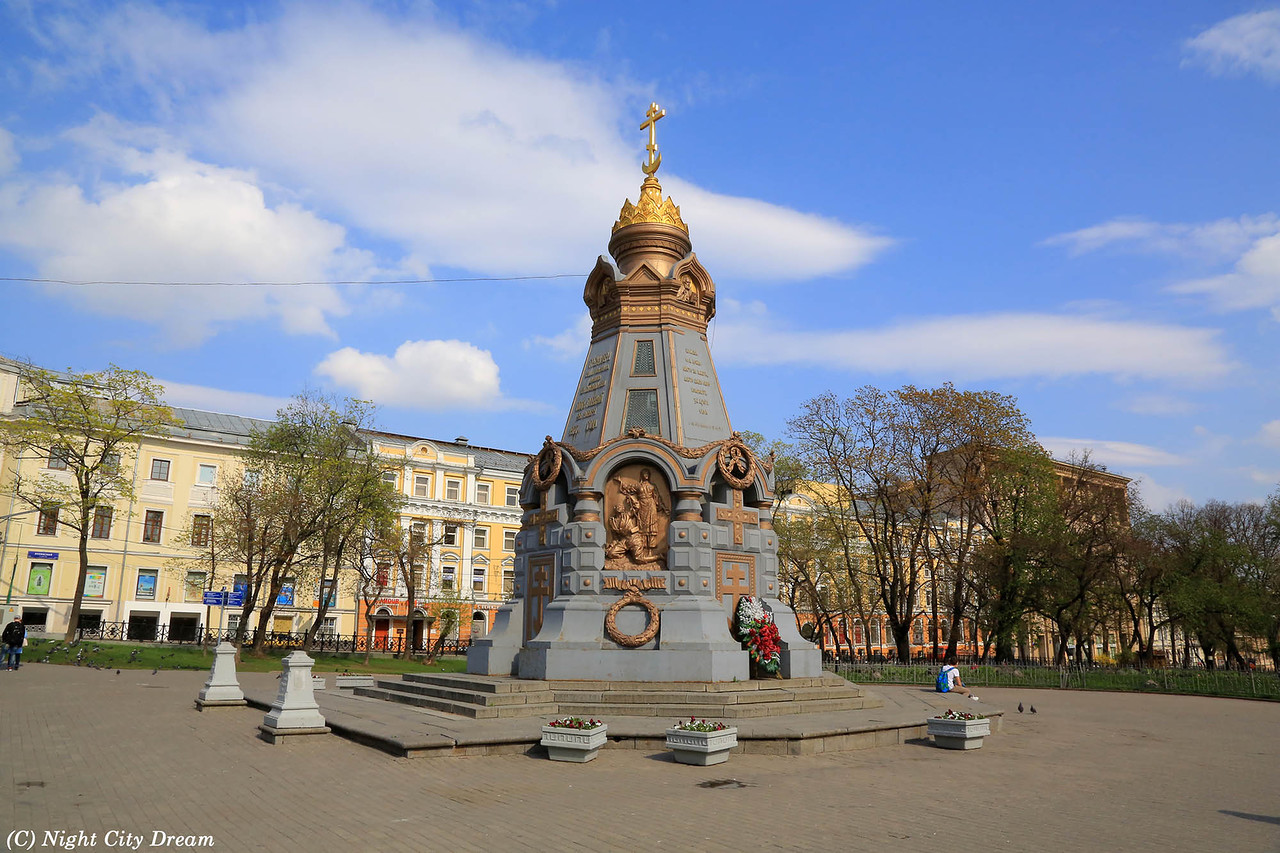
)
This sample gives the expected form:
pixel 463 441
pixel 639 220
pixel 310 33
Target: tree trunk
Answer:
pixel 73 619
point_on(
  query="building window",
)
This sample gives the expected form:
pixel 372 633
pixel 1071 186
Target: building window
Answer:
pixel 875 633
pixel 160 469
pixel 152 526
pixel 382 575
pixel 285 596
pixel 477 578
pixel 111 462
pixel 418 534
pixel 508 540
pixel 452 490
pixel 446 578
pixel 642 411
pixel 513 496
pixel 40 579
pixel 330 627
pixel 451 535
pixel 58 458
pixel 201 525
pixel 47 524
pixel 233 623
pixel 480 538
pixel 328 592
pixel 917 632
pixel 101 523
pixel 206 475
pixel 643 364
pixel 482 493
pixel 421 486
pixel 95 582
pixel 389 477
pixel 508 581
pixel 240 583
pixel 194 588
pixel 146 590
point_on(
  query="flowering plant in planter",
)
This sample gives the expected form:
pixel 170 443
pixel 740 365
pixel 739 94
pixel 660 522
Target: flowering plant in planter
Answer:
pixel 576 723
pixel 960 715
pixel 695 725
pixel 758 634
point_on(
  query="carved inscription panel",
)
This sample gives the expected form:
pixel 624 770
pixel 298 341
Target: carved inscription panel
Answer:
pixel 588 403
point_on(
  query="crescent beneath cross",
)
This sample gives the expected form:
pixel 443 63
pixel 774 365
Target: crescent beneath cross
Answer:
pixel 650 167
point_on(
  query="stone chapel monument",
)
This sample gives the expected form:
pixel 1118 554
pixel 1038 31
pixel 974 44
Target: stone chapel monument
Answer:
pixel 650 517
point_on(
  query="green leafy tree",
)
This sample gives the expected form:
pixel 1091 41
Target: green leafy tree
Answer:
pixel 88 427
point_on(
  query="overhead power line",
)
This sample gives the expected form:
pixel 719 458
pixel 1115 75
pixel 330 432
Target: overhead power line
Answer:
pixel 288 283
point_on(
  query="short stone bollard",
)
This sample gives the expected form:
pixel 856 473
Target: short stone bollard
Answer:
pixel 223 688
pixel 295 711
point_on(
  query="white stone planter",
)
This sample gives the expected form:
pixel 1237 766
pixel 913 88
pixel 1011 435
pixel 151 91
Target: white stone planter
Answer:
pixel 577 745
pixel 702 748
pixel 317 682
pixel 959 734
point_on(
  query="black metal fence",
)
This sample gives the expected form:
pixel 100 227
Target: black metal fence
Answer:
pixel 1256 684
pixel 150 632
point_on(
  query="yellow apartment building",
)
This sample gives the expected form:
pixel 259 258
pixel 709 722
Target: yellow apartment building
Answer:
pixel 146 580
pixel 464 501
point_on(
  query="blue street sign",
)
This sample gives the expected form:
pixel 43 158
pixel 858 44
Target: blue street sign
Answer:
pixel 215 599
pixel 236 599
pixel 42 555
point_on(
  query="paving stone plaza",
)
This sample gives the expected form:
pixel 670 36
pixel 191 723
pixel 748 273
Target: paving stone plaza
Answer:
pixel 86 750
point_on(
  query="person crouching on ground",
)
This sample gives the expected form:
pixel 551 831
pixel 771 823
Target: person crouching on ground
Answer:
pixel 949 680
pixel 15 634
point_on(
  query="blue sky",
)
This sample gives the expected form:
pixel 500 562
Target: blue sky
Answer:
pixel 1075 205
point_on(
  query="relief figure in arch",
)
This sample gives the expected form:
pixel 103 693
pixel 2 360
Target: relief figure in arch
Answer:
pixel 637 518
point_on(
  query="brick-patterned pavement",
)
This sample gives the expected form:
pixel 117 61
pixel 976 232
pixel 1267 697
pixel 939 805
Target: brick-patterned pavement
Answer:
pixel 89 750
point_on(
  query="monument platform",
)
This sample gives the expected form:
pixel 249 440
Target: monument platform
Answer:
pixel 895 716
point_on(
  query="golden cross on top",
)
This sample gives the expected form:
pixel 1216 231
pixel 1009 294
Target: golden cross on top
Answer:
pixel 651 120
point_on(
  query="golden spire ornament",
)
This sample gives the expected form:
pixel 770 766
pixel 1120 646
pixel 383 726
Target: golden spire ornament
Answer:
pixel 651 207
pixel 650 123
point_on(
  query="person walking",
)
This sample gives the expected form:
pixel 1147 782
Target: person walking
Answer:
pixel 13 639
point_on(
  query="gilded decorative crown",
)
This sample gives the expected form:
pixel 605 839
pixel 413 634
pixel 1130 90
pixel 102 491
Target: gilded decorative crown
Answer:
pixel 652 208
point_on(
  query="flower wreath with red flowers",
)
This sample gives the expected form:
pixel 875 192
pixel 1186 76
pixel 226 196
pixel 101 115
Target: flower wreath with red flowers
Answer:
pixel 754 628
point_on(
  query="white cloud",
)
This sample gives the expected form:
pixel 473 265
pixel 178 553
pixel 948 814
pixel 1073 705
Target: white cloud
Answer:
pixel 1158 404
pixel 460 150
pixel 1240 45
pixel 569 344
pixel 183 220
pixel 1117 454
pixel 244 403
pixel 8 152
pixel 1156 496
pixel 1223 238
pixel 1269 435
pixel 431 375
pixel 1255 282
pixel 1252 243
pixel 982 346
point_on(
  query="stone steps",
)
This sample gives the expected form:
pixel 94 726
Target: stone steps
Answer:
pixel 472 710
pixel 718 712
pixel 488 697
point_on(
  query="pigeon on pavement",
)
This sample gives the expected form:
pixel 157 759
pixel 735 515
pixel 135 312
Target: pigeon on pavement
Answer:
pixel 1019 707
pixel 1033 709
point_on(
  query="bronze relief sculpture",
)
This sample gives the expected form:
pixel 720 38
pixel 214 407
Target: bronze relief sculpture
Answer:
pixel 637 513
